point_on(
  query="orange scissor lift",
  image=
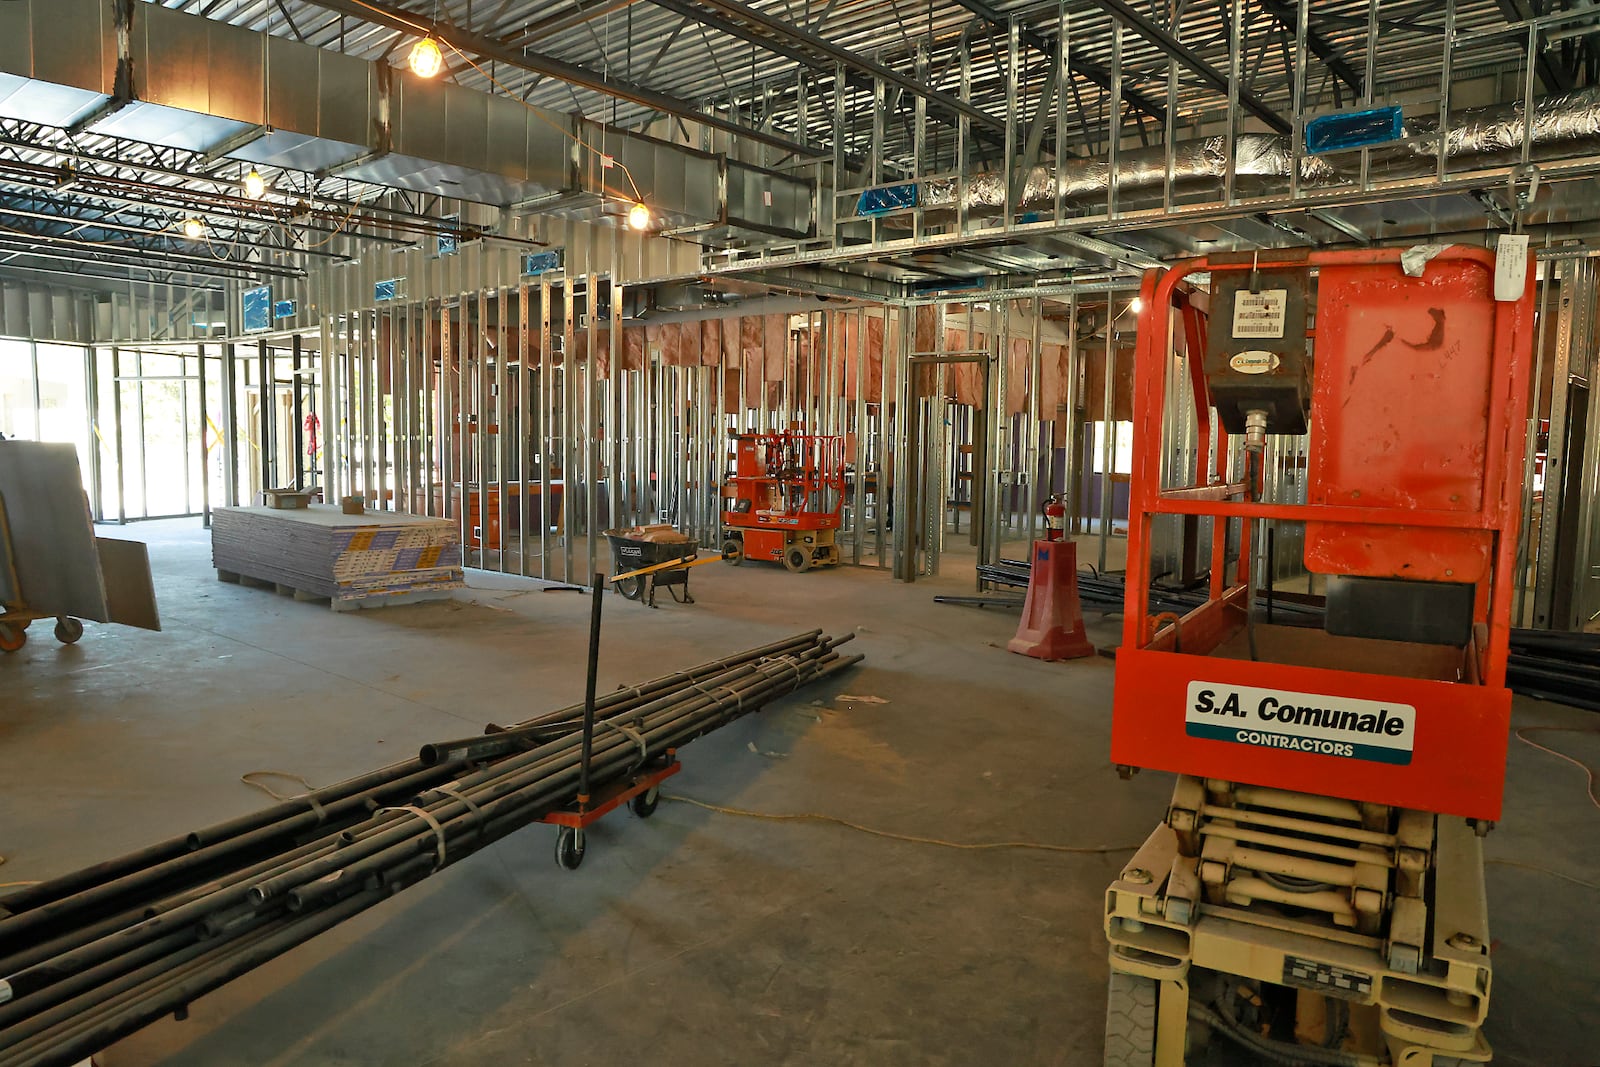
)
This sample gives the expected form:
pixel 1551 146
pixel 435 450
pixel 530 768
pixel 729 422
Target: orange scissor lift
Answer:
pixel 1316 890
pixel 784 500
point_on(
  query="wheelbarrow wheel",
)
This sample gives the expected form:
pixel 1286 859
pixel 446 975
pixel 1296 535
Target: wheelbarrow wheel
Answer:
pixel 12 637
pixel 68 629
pixel 632 588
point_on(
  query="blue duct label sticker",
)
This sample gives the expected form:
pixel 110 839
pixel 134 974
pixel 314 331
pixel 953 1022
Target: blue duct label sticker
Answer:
pixel 886 199
pixel 256 309
pixel 536 263
pixel 1354 129
pixel 1322 725
pixel 390 289
pixel 283 309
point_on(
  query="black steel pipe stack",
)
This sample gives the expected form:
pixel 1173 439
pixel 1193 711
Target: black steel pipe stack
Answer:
pixel 1108 591
pixel 94 955
pixel 1554 665
pixel 1545 664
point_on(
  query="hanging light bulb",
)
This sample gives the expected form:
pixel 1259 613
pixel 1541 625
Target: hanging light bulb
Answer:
pixel 639 217
pixel 426 59
pixel 194 229
pixel 254 184
pixel 1136 305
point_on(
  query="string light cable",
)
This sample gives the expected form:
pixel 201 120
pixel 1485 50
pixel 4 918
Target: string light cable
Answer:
pixel 1588 771
pixel 915 839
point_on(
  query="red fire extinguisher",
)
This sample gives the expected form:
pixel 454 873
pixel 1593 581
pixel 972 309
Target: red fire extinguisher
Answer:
pixel 1055 518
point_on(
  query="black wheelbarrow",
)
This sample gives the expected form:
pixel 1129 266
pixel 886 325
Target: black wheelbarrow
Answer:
pixel 632 554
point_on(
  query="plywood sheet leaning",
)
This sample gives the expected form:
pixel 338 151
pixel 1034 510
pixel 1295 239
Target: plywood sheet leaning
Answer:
pixel 56 564
pixel 130 594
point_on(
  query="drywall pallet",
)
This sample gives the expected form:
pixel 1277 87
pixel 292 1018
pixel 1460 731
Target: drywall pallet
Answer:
pixel 319 553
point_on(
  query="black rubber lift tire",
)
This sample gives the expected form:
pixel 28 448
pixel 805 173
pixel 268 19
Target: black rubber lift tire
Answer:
pixel 68 629
pixel 1130 1021
pixel 797 558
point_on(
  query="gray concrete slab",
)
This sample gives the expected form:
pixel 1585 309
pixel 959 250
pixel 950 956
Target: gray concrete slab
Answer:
pixel 694 937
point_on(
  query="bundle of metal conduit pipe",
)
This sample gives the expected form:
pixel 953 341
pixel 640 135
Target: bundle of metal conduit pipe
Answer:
pixel 1556 665
pixel 1108 591
pixel 94 955
pixel 1544 664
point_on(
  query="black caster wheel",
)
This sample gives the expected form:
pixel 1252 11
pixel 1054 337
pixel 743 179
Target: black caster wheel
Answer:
pixel 68 630
pixel 569 848
pixel 644 805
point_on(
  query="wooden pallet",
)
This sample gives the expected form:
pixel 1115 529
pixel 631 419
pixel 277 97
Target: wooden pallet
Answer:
pixel 373 600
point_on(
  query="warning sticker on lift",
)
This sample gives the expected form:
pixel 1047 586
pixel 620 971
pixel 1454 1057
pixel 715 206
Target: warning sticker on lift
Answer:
pixel 1301 722
pixel 1260 314
pixel 1326 978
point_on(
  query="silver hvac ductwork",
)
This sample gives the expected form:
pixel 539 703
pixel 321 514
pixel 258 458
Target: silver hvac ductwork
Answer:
pixel 182 81
pixel 1483 136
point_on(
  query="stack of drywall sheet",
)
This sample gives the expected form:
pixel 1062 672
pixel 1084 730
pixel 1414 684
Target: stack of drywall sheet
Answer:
pixel 320 551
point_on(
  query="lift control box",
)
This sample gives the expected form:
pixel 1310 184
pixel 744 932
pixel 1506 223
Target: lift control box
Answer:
pixel 1257 357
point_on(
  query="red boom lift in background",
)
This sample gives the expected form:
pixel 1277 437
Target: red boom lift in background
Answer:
pixel 784 499
pixel 1316 891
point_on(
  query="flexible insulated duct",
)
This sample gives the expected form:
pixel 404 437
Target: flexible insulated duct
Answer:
pixel 1481 136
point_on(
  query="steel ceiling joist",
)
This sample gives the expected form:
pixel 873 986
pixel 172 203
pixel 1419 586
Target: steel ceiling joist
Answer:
pixel 1181 52
pixel 105 222
pixel 743 21
pixel 538 63
pixel 1555 75
pixel 10 237
pixel 555 24
pixel 1094 75
pixel 1317 45
pixel 777 46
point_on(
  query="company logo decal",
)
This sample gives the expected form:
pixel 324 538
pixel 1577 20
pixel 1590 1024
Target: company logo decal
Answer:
pixel 1378 731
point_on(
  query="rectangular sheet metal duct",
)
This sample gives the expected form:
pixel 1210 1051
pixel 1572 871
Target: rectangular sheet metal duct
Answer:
pixel 192 83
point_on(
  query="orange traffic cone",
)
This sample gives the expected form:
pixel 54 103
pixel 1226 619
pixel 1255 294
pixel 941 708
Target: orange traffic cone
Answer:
pixel 1052 619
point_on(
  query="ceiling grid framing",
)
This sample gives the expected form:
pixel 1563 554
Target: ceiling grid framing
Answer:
pixel 953 93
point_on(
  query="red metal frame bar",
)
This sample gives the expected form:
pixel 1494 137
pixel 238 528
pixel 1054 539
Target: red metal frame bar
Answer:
pixel 821 467
pixel 612 797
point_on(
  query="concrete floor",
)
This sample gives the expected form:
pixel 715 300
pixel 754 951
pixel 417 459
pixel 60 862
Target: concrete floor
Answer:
pixel 693 938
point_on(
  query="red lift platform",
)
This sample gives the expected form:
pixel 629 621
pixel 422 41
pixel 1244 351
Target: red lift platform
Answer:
pixel 1316 892
pixel 784 500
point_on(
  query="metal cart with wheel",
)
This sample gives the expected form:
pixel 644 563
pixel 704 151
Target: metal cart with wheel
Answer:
pixel 640 789
pixel 631 554
pixel 17 615
pixel 641 793
pixel 52 566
